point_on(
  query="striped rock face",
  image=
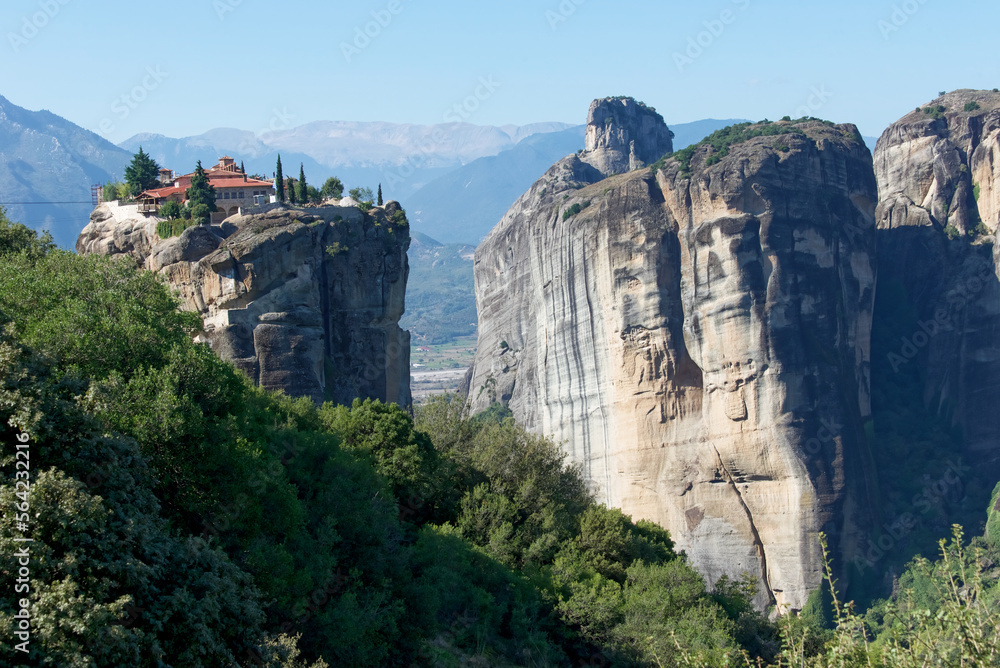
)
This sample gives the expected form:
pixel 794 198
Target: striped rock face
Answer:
pixel 698 340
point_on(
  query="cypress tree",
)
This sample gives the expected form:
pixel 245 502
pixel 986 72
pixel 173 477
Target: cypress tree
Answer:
pixel 242 169
pixel 380 194
pixel 279 181
pixel 200 195
pixel 303 188
pixel 291 190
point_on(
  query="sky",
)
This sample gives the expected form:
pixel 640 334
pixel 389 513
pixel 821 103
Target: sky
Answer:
pixel 181 68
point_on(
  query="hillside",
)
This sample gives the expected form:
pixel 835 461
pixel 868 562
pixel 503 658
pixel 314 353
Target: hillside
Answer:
pixel 46 160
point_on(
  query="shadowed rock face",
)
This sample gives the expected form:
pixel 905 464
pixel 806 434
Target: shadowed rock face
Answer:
pixel 303 300
pixel 938 214
pixel 700 342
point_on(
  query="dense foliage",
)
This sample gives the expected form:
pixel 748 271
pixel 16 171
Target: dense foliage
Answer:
pixel 142 173
pixel 333 188
pixel 183 517
pixel 720 141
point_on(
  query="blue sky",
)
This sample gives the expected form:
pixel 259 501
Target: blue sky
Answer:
pixel 183 67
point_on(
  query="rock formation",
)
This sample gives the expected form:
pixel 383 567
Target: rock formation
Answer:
pixel 938 171
pixel 303 300
pixel 623 135
pixel 697 336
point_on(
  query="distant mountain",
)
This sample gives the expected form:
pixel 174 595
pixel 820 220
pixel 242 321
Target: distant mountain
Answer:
pixel 440 297
pixel 181 155
pixel 464 205
pixel 44 161
pixel 402 157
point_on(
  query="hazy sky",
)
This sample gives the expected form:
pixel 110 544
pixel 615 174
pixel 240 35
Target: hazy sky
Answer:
pixel 183 67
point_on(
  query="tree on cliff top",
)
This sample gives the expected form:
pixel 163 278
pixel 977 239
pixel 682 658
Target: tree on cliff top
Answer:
pixel 380 194
pixel 201 195
pixel 279 181
pixel 303 189
pixel 142 173
pixel 333 187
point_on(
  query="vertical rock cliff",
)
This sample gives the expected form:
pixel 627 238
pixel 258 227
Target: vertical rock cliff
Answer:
pixel 697 335
pixel 938 171
pixel 306 301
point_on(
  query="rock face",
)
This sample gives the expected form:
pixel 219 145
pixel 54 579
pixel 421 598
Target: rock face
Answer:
pixel 938 172
pixel 623 135
pixel 306 301
pixel 698 337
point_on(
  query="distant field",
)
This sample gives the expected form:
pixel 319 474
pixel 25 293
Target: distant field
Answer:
pixel 440 368
pixel 456 354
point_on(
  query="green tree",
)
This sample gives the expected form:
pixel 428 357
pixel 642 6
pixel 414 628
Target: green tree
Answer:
pixel 17 238
pixel 201 195
pixel 171 210
pixel 380 202
pixel 384 433
pixel 302 187
pixel 111 582
pixel 292 190
pixel 279 181
pixel 315 195
pixel 362 195
pixel 242 168
pixel 333 188
pixel 142 173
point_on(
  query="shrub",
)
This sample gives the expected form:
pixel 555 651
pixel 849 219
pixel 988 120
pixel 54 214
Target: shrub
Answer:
pixel 972 106
pixel 399 218
pixel 172 209
pixel 575 209
pixel 937 113
pixel 173 228
pixel 952 232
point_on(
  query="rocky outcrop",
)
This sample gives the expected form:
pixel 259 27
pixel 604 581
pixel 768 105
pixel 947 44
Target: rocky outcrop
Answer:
pixel 623 135
pixel 303 300
pixel 698 339
pixel 938 171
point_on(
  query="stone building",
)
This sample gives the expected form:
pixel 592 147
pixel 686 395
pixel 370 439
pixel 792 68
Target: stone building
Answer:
pixel 233 190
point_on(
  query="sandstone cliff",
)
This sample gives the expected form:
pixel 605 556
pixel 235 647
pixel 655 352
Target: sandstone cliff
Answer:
pixel 623 135
pixel 303 300
pixel 938 171
pixel 698 338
